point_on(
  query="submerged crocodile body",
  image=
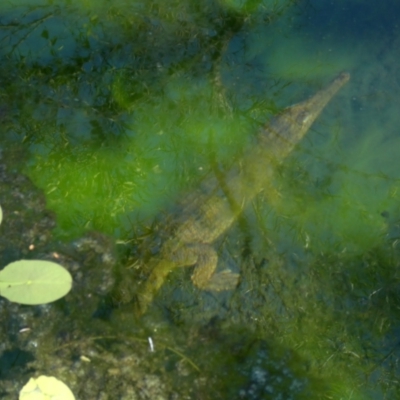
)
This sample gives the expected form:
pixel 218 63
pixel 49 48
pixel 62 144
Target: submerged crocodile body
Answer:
pixel 205 217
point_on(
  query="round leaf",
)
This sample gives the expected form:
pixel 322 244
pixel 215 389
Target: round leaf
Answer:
pixel 45 387
pixel 34 282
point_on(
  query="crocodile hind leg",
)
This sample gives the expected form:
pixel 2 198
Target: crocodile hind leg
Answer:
pixel 204 276
pixel 184 256
pixel 205 259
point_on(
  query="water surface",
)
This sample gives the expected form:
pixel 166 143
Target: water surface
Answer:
pixel 126 106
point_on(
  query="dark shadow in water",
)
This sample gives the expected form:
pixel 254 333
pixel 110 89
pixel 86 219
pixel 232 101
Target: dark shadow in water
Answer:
pixel 14 362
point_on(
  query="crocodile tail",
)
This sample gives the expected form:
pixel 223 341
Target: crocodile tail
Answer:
pixel 149 289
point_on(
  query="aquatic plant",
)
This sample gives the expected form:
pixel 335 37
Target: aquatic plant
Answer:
pixel 45 387
pixel 34 281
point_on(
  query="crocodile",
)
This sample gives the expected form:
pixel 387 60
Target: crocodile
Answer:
pixel 204 217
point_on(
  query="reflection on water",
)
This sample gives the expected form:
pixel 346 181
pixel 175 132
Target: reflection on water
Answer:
pixel 124 107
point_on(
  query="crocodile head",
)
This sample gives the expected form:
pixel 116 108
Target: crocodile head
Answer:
pixel 289 127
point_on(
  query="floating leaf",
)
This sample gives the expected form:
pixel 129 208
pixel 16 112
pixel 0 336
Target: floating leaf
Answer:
pixel 34 282
pixel 45 387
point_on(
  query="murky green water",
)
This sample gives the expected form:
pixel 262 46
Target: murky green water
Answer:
pixel 124 106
